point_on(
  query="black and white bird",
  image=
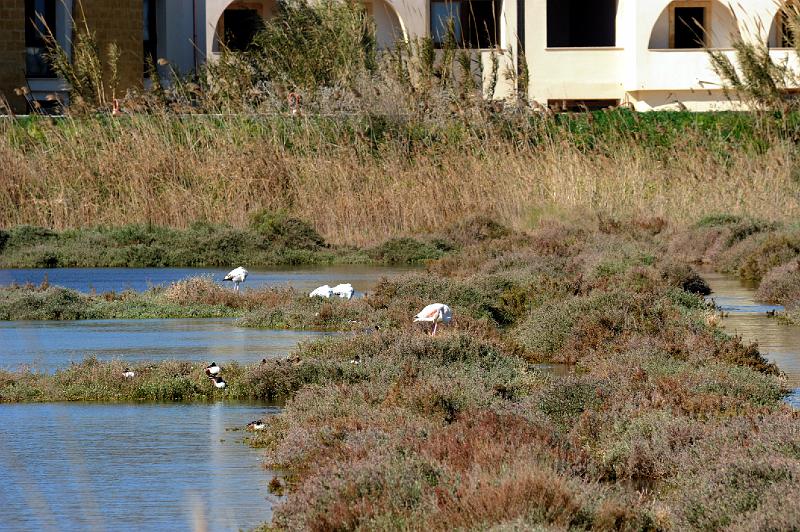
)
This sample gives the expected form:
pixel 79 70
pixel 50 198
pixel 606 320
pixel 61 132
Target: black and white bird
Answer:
pixel 212 369
pixel 237 276
pixel 256 425
pixel 219 382
pixel 128 373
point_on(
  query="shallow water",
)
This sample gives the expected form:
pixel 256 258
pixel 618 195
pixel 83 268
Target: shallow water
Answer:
pixel 48 345
pixel 779 342
pixel 79 466
pixel 362 277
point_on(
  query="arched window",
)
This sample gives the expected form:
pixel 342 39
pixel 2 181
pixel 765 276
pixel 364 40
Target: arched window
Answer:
pixel 785 24
pixel 475 23
pixel 241 21
pixel 577 23
pixel 694 25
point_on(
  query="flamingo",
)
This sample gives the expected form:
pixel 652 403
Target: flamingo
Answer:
pixel 321 291
pixel 345 290
pixel 435 313
pixel 237 276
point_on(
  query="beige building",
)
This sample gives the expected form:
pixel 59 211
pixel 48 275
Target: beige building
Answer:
pixel 647 53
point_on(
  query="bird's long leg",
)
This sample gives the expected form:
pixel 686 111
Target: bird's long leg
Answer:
pixel 435 323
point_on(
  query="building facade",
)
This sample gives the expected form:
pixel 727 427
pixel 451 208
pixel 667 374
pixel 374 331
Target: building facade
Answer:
pixel 650 54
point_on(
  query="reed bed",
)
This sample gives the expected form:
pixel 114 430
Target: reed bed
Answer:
pixel 354 189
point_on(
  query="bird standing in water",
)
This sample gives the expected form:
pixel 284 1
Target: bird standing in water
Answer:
pixel 435 313
pixel 237 276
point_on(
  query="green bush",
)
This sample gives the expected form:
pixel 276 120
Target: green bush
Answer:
pixel 310 45
pixel 405 251
pixel 284 230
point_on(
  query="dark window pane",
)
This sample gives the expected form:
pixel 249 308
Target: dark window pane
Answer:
pixel 581 23
pixel 441 14
pixel 241 27
pixel 39 16
pixel 689 24
pixel 150 35
pixel 476 22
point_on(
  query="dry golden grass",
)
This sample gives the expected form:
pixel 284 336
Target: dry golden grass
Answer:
pixel 168 171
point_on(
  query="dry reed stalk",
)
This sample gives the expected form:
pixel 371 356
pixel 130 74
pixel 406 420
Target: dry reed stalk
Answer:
pixel 162 170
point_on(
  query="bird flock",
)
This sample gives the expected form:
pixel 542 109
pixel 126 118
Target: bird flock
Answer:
pixel 436 313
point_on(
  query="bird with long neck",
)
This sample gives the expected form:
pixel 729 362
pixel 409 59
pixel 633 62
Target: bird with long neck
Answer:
pixel 237 276
pixel 435 313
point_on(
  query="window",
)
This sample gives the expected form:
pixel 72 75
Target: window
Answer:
pixel 240 27
pixel 783 23
pixel 150 37
pixel 581 23
pixel 688 24
pixel 475 23
pixel 40 15
pixel 578 106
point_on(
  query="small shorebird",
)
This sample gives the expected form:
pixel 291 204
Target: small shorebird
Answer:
pixel 128 373
pixel 435 313
pixel 356 360
pixel 212 369
pixel 237 276
pixel 219 382
pixel 256 425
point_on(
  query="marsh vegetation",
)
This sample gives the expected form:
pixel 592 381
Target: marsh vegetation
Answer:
pixel 644 432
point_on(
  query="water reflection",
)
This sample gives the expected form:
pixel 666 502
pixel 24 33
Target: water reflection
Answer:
pixel 779 342
pixel 48 345
pixel 123 466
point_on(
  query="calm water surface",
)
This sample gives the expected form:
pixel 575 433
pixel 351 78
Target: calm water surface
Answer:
pixel 106 279
pixel 48 345
pixel 78 466
pixel 779 342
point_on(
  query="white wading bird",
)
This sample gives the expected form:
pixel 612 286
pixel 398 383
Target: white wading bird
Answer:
pixel 237 276
pixel 322 291
pixel 435 313
pixel 345 290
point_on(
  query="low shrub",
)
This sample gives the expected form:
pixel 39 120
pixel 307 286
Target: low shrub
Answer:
pixel 278 228
pixel 406 251
pixel 781 286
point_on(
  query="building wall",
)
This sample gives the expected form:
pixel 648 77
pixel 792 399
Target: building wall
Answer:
pixel 12 51
pixel 120 22
pixel 639 69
